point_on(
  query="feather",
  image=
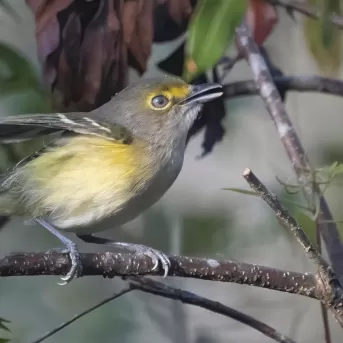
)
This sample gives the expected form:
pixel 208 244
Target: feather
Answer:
pixel 18 128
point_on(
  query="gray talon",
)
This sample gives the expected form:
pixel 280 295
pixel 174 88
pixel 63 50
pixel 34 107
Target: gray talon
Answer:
pixel 157 256
pixel 76 266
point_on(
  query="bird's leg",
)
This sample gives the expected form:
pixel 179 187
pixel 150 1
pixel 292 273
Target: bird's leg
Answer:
pixel 155 255
pixel 76 266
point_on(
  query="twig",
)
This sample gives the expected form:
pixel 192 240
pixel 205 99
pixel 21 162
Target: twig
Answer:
pixel 151 286
pixel 333 293
pixel 290 140
pixel 288 83
pixel 120 264
pixel 306 10
pixel 78 316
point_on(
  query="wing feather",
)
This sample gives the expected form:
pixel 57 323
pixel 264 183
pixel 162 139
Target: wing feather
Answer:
pixel 18 128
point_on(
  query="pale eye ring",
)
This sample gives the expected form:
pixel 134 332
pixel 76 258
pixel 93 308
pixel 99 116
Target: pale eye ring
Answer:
pixel 159 101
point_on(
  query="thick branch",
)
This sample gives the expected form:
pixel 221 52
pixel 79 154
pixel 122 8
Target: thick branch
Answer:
pixel 291 142
pixel 333 293
pixel 289 83
pixel 118 264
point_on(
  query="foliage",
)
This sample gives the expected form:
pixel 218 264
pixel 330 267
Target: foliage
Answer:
pixel 323 38
pixel 210 32
pixel 4 327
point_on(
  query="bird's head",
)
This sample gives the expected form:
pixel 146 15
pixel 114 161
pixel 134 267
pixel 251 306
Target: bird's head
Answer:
pixel 165 106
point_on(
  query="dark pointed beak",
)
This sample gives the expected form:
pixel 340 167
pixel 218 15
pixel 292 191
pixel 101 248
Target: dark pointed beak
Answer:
pixel 203 93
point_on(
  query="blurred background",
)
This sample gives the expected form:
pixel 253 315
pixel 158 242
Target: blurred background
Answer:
pixel 196 217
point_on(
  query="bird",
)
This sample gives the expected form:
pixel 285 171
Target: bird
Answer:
pixel 101 169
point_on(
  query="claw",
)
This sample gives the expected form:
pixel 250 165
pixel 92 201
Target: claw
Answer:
pixel 156 256
pixel 76 266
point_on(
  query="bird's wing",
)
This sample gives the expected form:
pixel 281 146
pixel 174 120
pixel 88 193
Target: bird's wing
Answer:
pixel 18 128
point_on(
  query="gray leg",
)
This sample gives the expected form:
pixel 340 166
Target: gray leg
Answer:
pixel 155 255
pixel 76 266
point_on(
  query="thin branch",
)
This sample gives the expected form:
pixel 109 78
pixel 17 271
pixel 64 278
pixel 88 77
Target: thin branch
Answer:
pixel 306 10
pixel 120 264
pixel 290 140
pixel 285 217
pixel 288 83
pixel 333 293
pixel 157 288
pixel 78 316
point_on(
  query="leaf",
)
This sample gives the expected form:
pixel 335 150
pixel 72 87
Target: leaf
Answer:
pixel 3 326
pixel 261 17
pixel 167 15
pixel 211 30
pixel 16 72
pixel 323 38
pixel 241 191
pixel 138 30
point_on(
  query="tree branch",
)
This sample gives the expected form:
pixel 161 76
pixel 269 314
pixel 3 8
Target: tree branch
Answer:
pixel 148 285
pixel 157 288
pixel 118 264
pixel 333 292
pixel 306 10
pixel 288 83
pixel 78 316
pixel 291 142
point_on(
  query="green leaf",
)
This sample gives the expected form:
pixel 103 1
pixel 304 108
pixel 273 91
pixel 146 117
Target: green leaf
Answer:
pixel 16 72
pixel 323 38
pixel 211 30
pixel 241 191
pixel 3 326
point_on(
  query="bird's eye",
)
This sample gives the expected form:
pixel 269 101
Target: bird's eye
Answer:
pixel 159 101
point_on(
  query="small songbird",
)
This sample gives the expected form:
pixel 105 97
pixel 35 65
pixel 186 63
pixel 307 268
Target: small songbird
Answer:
pixel 103 168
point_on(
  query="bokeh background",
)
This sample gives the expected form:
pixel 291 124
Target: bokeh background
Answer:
pixel 196 217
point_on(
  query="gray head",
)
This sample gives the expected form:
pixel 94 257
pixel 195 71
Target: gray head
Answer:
pixel 156 108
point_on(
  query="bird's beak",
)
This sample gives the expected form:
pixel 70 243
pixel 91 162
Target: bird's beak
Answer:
pixel 203 93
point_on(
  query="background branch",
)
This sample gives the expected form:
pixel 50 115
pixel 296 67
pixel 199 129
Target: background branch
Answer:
pixel 287 83
pixel 305 9
pixel 157 288
pixel 160 289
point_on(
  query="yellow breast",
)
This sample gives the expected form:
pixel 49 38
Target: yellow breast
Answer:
pixel 87 174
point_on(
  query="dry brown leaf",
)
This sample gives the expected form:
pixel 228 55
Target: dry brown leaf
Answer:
pixel 179 10
pixel 130 13
pixel 47 30
pixel 91 57
pixel 69 60
pixel 139 30
pixel 44 14
pixel 101 47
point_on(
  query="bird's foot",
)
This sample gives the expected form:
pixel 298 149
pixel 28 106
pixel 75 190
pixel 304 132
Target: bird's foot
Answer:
pixel 76 265
pixel 155 255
